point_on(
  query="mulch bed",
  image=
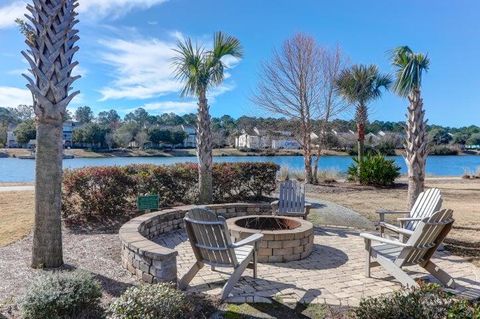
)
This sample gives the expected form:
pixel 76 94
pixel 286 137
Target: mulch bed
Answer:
pixel 96 253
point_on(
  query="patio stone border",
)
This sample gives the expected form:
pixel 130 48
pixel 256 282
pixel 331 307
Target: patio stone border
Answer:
pixel 151 262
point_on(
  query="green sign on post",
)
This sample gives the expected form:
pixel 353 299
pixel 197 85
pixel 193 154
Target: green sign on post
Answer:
pixel 147 203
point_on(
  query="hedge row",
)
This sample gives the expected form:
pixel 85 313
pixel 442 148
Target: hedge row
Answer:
pixel 106 192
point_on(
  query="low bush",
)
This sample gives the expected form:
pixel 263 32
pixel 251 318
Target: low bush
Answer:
pixel 426 302
pixel 110 192
pixel 62 295
pixel 444 150
pixel 151 302
pixel 375 170
pixel 386 148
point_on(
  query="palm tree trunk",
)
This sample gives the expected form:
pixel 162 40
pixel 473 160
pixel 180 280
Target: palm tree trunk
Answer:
pixel 361 118
pixel 415 146
pixel 47 232
pixel 204 151
pixel 52 41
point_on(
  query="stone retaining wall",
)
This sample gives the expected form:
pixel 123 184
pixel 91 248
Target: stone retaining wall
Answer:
pixel 151 262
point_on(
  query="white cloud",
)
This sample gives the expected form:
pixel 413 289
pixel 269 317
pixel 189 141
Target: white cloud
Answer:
pixel 79 70
pixel 114 8
pixel 89 9
pixel 142 68
pixel 10 12
pixel 13 96
pixel 171 106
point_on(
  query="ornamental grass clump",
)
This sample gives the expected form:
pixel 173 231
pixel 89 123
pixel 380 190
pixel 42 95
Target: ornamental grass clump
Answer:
pixel 151 302
pixel 69 295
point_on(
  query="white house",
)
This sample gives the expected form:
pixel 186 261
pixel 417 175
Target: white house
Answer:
pixel 264 139
pixel 68 128
pixel 191 139
pixel 11 139
pixel 253 139
pixel 288 144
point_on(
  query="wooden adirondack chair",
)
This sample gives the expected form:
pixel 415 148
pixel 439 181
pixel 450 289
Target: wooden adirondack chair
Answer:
pixel 426 204
pixel 212 245
pixel 291 200
pixel 418 250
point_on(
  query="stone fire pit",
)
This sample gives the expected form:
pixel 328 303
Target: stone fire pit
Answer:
pixel 284 238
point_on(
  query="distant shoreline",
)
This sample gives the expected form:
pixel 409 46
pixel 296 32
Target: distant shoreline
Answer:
pixel 220 152
pixel 83 153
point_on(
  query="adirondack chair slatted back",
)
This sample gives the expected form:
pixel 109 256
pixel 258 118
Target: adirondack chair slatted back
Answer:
pixel 292 197
pixel 428 235
pixel 426 204
pixel 209 237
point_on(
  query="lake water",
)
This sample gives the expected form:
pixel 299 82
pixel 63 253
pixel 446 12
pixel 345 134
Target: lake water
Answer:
pixel 18 170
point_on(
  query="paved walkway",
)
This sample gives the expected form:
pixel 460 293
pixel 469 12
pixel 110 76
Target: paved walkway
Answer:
pixel 17 188
pixel 332 274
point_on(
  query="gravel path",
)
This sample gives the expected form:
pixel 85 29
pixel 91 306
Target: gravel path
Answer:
pixel 327 213
pixel 98 254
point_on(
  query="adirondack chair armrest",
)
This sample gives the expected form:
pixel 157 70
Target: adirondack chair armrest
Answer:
pixel 249 240
pixel 396 229
pixel 274 206
pixel 408 219
pixel 382 212
pixel 386 211
pixel 372 237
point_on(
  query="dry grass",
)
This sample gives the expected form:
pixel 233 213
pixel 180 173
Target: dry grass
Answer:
pixel 460 195
pixel 16 208
pixel 16 215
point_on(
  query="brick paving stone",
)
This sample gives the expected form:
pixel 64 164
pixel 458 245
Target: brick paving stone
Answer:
pixel 332 274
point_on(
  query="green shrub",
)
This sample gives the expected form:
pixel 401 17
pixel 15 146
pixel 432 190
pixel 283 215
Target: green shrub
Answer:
pixel 111 192
pixel 151 302
pixel 62 295
pixel 375 170
pixel 443 150
pixel 386 148
pixel 427 302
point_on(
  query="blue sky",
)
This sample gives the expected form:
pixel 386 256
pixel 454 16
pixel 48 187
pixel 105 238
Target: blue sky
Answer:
pixel 126 50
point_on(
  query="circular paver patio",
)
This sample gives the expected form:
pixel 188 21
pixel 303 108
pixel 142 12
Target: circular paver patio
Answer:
pixel 332 274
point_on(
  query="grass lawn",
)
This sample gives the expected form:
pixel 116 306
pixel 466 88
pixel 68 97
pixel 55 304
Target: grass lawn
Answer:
pixel 16 215
pixel 460 195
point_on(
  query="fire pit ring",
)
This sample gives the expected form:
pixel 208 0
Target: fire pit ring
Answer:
pixel 284 238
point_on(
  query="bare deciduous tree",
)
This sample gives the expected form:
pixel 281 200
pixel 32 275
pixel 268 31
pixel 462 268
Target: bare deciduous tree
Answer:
pixel 291 86
pixel 331 104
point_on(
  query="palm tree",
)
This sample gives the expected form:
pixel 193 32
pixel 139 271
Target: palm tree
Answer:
pixel 359 85
pixel 51 39
pixel 200 69
pixel 408 81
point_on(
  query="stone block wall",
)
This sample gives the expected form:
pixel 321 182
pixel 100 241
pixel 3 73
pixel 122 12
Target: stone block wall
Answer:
pixel 151 262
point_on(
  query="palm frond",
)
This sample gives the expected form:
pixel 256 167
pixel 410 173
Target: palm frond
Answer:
pixel 409 69
pixel 361 84
pixel 198 68
pixel 224 45
pixel 188 64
